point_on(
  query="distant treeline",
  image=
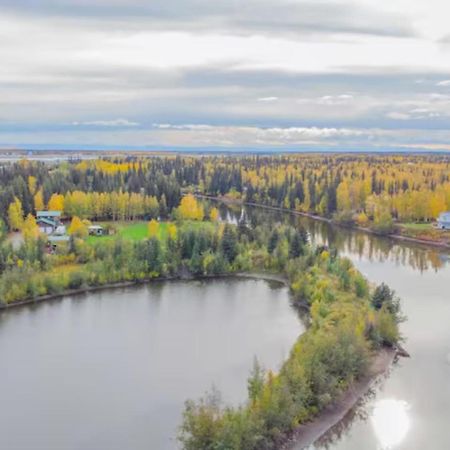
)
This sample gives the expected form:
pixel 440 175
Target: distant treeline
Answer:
pixel 365 189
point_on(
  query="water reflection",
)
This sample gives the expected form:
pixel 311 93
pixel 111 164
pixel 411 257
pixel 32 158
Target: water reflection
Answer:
pixel 112 369
pixel 390 422
pixel 348 242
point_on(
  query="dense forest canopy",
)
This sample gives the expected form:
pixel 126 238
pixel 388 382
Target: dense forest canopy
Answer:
pixel 376 189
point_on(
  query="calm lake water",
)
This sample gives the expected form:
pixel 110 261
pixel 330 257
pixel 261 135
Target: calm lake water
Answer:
pixel 111 370
pixel 410 410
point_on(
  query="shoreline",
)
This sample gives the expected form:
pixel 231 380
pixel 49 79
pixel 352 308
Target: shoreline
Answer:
pixel 399 237
pixel 307 434
pixel 270 277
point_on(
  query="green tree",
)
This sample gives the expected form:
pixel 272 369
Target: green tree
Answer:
pixel 384 296
pixel 273 241
pixel 229 243
pixel 155 256
pixel 202 424
pixel 255 382
pixel 296 245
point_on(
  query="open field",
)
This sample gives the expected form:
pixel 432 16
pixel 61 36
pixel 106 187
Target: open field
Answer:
pixel 134 231
pixel 137 231
pixel 417 226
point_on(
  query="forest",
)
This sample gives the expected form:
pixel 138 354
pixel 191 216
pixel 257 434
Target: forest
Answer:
pixel 377 191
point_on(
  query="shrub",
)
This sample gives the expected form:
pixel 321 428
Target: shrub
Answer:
pixel 76 280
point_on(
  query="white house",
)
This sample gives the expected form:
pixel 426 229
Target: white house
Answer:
pixel 443 221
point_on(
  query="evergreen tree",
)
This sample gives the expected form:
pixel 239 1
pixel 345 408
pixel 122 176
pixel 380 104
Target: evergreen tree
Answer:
pixel 154 255
pixel 296 245
pixel 383 296
pixel 273 241
pixel 229 243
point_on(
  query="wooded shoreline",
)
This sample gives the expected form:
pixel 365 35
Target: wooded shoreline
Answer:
pixel 399 237
pixel 123 284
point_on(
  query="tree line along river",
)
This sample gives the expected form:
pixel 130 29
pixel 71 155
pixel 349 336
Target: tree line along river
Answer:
pixel 111 369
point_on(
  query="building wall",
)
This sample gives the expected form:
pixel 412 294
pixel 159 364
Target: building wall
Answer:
pixel 47 229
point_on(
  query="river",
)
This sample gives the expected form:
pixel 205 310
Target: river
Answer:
pixel 111 370
pixel 410 409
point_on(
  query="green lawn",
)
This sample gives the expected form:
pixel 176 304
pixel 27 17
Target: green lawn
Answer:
pixel 134 231
pixel 137 231
pixel 417 226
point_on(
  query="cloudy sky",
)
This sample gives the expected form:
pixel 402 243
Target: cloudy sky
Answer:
pixel 283 74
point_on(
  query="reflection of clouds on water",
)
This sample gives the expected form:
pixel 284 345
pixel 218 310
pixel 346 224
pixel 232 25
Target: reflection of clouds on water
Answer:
pixel 391 422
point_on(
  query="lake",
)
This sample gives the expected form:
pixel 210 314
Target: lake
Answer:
pixel 111 370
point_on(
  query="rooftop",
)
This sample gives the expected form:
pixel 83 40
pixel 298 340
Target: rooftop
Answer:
pixel 48 213
pixel 46 220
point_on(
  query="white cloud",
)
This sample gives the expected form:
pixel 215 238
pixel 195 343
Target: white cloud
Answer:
pixel 192 127
pixel 443 83
pixel 333 100
pixel 107 123
pixel 203 134
pixel 414 114
pixel 424 113
pixel 267 99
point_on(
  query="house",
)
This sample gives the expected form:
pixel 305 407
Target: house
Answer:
pixel 95 230
pixel 60 230
pixel 48 221
pixel 443 221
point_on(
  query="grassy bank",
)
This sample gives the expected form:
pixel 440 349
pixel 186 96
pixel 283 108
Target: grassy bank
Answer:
pixel 424 232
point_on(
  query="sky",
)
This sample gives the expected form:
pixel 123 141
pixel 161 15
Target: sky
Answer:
pixel 227 74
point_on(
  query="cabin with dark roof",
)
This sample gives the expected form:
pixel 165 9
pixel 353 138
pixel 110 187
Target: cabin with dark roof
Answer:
pixel 48 221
